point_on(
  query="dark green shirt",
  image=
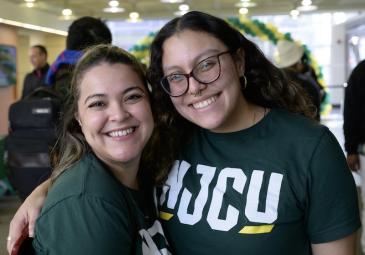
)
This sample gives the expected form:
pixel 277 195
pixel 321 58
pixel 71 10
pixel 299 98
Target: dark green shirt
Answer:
pixel 87 211
pixel 274 188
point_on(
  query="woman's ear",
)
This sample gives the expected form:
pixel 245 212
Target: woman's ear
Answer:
pixel 240 60
pixel 77 117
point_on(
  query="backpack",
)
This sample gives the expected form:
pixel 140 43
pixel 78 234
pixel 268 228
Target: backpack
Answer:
pixel 33 125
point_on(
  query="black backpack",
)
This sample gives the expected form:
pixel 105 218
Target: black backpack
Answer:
pixel 32 134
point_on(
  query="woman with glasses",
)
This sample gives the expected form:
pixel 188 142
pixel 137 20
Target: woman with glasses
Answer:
pixel 253 173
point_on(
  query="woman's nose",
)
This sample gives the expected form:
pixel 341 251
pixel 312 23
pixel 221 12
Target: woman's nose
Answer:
pixel 195 87
pixel 118 112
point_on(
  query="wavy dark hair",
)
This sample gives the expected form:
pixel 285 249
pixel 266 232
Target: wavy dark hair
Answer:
pixel 72 145
pixel 267 85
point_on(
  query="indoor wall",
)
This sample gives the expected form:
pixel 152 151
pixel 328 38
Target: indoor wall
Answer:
pixel 22 39
pixel 7 94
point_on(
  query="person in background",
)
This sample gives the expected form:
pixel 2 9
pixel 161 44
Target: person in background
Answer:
pixel 82 33
pixel 289 56
pixel 254 173
pixel 354 128
pixel 36 78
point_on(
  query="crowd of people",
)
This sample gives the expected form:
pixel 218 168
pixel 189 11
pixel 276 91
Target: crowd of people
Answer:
pixel 222 154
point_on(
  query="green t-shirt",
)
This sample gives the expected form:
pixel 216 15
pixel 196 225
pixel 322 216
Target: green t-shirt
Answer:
pixel 273 188
pixel 87 211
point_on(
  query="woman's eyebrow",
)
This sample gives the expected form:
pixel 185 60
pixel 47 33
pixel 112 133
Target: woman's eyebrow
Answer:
pixel 195 60
pixel 98 95
pixel 93 96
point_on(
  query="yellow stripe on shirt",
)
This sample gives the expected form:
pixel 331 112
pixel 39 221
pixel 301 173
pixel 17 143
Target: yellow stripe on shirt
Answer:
pixel 256 229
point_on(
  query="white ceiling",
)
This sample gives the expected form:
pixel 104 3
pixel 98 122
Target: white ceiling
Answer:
pixel 152 9
pixel 46 13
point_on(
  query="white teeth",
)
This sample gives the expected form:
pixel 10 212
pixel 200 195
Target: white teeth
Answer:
pixel 205 103
pixel 121 132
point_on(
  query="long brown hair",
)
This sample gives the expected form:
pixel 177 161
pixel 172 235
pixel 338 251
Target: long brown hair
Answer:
pixel 267 85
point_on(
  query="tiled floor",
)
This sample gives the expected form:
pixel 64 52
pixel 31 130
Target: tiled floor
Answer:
pixel 8 205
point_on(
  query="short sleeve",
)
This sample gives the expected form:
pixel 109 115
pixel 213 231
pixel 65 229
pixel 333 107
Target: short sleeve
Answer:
pixel 333 212
pixel 83 225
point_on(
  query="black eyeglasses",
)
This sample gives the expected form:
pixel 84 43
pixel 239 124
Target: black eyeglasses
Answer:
pixel 206 71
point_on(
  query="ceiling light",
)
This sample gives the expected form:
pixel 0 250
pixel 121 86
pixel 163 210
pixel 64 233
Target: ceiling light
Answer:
pixel 306 2
pixel 294 13
pixel 66 12
pixel 29 1
pixel 183 8
pixel 307 8
pixel 171 1
pixel 245 4
pixel 306 5
pixel 113 9
pixel 134 17
pixel 243 11
pixel 354 40
pixel 29 4
pixel 113 3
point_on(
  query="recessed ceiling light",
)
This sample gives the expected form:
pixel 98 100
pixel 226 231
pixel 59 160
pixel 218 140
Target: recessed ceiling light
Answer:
pixel 66 12
pixel 113 3
pixel 294 13
pixel 243 11
pixel 306 2
pixel 184 7
pixel 134 17
pixel 113 9
pixel 307 8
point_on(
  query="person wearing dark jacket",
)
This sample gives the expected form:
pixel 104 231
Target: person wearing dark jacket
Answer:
pixel 36 78
pixel 354 127
pixel 82 33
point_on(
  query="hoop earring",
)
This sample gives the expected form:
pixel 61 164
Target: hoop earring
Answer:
pixel 243 81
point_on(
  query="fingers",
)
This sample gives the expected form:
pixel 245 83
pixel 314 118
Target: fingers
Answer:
pixel 22 225
pixel 15 244
pixel 32 219
pixel 18 231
